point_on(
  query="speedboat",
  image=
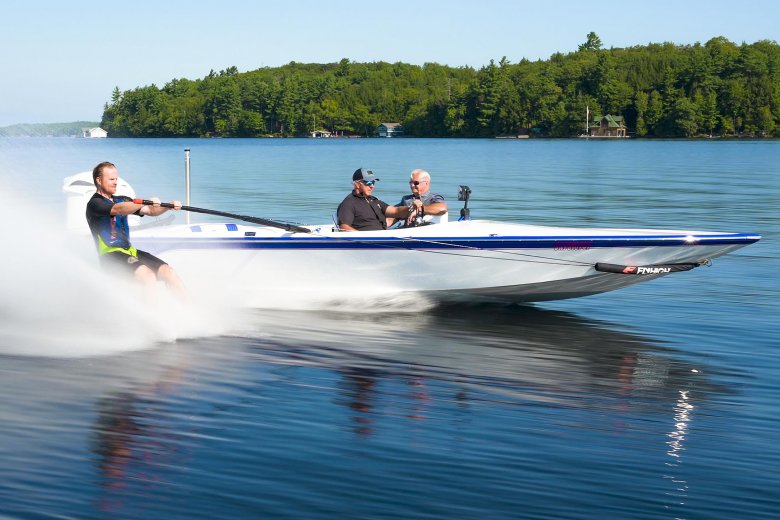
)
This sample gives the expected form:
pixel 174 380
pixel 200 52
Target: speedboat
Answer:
pixel 455 261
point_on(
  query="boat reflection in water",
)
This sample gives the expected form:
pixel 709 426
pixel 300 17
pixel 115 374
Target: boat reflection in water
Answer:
pixel 487 353
pixel 367 374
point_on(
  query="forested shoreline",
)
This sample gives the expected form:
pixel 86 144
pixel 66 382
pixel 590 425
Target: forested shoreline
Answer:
pixel 663 90
pixel 73 129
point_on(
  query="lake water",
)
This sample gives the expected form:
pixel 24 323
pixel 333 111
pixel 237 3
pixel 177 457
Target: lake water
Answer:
pixel 657 401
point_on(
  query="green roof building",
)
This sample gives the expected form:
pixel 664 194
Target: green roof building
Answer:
pixel 608 126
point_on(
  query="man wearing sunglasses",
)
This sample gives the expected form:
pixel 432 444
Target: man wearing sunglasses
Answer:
pixel 422 201
pixel 361 211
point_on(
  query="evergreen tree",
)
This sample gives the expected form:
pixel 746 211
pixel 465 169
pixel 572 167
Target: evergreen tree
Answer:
pixel 592 43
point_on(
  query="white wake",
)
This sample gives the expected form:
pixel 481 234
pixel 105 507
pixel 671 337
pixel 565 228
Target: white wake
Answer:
pixel 57 302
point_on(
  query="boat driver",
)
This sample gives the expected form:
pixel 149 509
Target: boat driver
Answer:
pixel 361 211
pixel 432 205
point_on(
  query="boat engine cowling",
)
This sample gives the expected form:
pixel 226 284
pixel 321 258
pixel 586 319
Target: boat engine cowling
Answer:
pixel 78 190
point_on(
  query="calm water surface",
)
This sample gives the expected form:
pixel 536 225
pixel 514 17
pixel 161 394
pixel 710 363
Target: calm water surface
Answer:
pixel 658 401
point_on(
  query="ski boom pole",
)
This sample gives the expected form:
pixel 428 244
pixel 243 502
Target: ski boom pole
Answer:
pixel 246 218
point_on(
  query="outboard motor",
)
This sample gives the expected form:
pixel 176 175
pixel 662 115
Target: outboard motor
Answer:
pixel 463 195
pixel 78 189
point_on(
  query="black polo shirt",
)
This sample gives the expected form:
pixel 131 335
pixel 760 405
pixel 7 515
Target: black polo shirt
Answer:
pixel 363 214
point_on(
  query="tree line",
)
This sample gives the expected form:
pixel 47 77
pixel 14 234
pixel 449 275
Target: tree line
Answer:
pixel 662 90
pixel 73 129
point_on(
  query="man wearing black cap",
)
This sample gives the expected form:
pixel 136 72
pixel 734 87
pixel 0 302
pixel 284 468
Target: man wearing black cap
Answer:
pixel 361 211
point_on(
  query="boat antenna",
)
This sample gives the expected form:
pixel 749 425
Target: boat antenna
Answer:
pixel 187 180
pixel 463 195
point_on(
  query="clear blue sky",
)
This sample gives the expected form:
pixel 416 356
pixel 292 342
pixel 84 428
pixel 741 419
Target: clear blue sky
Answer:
pixel 61 60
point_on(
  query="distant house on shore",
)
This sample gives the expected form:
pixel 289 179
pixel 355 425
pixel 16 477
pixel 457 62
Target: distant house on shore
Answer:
pixel 608 126
pixel 390 130
pixel 93 133
pixel 321 133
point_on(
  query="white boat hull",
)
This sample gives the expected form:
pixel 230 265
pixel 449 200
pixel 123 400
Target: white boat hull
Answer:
pixel 456 261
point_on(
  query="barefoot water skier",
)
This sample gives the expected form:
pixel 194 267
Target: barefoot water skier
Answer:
pixel 107 218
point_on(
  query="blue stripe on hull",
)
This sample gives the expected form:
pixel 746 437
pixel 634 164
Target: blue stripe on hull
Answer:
pixel 562 243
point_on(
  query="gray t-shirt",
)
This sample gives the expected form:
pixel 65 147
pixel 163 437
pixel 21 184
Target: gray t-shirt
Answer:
pixel 427 199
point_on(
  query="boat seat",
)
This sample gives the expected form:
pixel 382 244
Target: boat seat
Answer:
pixel 436 219
pixel 427 220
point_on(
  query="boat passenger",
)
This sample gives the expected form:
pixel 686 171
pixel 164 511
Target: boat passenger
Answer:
pixel 361 211
pixel 107 218
pixel 433 204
